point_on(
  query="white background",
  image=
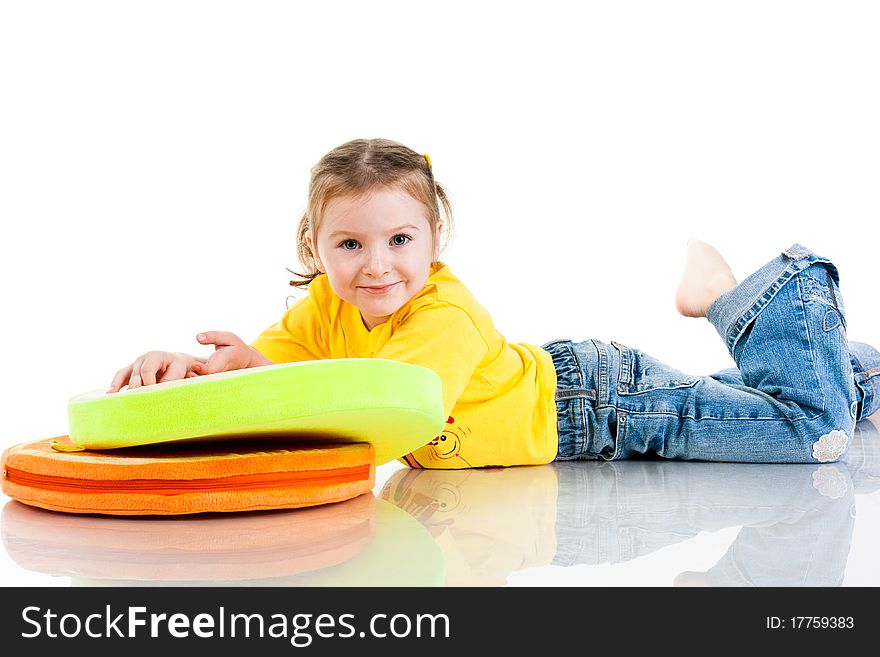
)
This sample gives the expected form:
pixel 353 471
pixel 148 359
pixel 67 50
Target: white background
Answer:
pixel 154 163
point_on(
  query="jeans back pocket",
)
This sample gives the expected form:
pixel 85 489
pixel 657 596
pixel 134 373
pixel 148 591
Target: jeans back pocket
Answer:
pixel 640 373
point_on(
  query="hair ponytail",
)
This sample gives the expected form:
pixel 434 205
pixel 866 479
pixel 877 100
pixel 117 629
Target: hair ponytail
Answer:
pixel 304 253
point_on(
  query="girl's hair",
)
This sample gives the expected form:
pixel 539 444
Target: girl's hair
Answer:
pixel 360 166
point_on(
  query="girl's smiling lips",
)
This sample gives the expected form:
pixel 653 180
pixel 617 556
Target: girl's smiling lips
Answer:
pixel 382 289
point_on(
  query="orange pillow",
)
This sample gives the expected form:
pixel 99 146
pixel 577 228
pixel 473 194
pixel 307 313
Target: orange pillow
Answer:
pixel 242 475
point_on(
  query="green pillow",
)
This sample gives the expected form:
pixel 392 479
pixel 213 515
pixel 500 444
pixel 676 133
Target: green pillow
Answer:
pixel 396 406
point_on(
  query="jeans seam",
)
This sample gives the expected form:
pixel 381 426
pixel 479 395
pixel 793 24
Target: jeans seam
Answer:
pixel 679 386
pixel 581 438
pixel 625 373
pixel 834 299
pixel 620 434
pixel 720 419
pixel 810 342
pixel 602 401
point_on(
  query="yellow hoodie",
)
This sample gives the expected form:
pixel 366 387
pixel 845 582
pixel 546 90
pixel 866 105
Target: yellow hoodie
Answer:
pixel 499 397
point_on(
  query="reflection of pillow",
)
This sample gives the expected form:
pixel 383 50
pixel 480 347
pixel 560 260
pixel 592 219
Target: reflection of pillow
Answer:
pixel 216 547
pixel 359 542
pixel 396 406
pixel 188 478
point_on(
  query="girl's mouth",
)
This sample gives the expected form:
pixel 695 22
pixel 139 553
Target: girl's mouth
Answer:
pixel 379 290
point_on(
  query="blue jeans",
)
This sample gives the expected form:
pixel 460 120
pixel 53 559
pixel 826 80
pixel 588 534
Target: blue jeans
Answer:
pixel 795 396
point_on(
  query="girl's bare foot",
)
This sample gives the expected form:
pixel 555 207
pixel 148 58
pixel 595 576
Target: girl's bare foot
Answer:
pixel 706 277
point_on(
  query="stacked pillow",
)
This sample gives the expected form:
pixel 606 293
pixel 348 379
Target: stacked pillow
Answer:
pixel 279 436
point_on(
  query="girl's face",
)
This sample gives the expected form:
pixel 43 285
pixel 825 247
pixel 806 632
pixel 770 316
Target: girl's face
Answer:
pixel 376 250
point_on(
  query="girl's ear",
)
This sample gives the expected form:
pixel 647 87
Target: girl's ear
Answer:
pixel 318 264
pixel 436 255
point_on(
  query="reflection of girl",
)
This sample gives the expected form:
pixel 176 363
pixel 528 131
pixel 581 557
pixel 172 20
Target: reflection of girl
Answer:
pixel 488 523
pixel 797 522
pixel 811 547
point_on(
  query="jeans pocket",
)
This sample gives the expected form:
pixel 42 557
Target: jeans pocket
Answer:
pixel 641 373
pixel 819 288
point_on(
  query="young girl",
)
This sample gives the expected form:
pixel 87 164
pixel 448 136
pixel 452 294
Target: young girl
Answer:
pixel 370 241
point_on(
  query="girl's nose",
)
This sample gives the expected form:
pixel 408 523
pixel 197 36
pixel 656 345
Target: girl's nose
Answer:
pixel 378 263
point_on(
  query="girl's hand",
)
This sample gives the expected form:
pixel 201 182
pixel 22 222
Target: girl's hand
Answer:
pixel 154 367
pixel 230 353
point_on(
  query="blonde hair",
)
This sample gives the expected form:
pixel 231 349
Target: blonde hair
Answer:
pixel 360 166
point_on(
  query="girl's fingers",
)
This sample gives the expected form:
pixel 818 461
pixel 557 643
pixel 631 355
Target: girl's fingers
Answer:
pixel 120 379
pixel 218 338
pixel 134 380
pixel 149 368
pixel 217 362
pixel 176 370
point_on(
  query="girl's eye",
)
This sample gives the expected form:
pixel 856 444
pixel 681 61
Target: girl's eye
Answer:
pixel 397 240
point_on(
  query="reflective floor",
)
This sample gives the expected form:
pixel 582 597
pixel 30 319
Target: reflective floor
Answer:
pixel 649 523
